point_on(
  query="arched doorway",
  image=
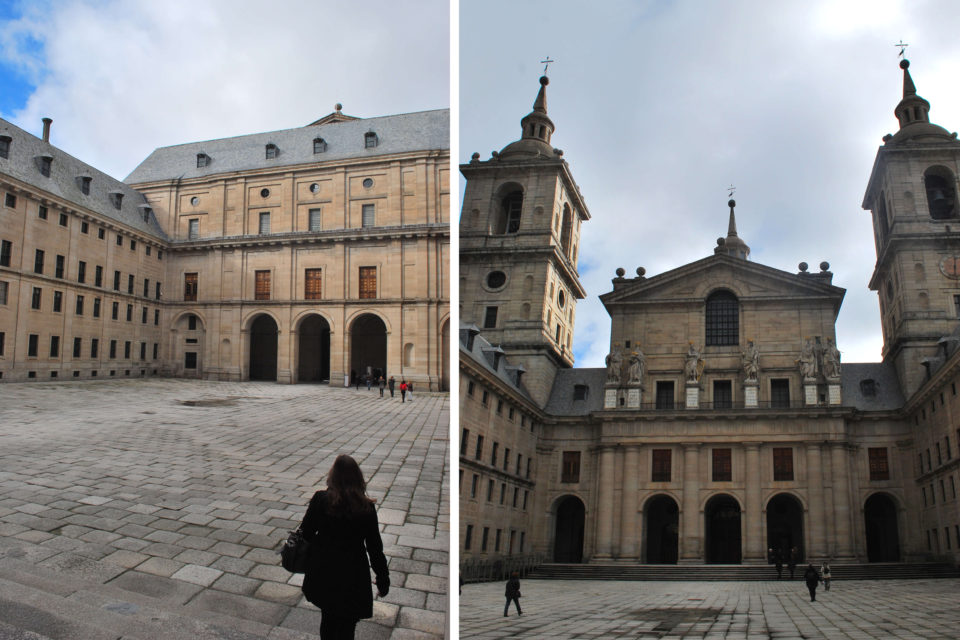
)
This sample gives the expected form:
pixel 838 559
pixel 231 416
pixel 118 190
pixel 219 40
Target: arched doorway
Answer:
pixel 368 346
pixel 313 357
pixel 661 521
pixel 568 541
pixel 785 527
pixel 263 348
pixel 883 539
pixel 722 516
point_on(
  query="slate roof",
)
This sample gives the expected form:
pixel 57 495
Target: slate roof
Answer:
pixel 23 165
pixel 561 402
pixel 423 130
pixel 887 386
pixel 482 354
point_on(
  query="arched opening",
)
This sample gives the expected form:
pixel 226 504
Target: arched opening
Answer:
pixel 941 194
pixel 566 230
pixel 661 520
pixel 368 346
pixel 883 539
pixel 568 541
pixel 511 207
pixel 723 319
pixel 785 527
pixel 722 515
pixel 313 356
pixel 263 348
pixel 445 357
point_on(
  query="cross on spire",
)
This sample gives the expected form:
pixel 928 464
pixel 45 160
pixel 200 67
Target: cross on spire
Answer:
pixel 546 63
pixel 731 189
pixel 903 46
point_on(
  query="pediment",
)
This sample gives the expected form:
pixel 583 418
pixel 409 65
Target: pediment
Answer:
pixel 697 280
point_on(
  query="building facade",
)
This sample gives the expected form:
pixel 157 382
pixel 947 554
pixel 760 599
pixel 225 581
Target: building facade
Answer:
pixel 723 427
pixel 312 254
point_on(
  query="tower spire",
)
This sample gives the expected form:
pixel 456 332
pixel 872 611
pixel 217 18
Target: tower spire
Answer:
pixel 732 245
pixel 536 129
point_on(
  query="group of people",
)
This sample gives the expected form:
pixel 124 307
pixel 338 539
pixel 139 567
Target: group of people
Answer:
pixel 406 388
pixel 812 576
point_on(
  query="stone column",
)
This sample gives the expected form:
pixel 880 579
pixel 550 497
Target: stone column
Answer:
pixel 754 510
pixel 692 536
pixel 604 543
pixel 816 514
pixel 629 531
pixel 841 501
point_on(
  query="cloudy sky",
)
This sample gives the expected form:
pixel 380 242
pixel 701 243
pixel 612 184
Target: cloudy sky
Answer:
pixel 659 106
pixel 122 77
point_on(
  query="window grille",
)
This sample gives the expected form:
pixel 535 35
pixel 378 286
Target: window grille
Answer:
pixel 723 319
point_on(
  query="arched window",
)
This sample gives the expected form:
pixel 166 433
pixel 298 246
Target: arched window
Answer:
pixel 566 231
pixel 941 194
pixel 510 208
pixel 723 319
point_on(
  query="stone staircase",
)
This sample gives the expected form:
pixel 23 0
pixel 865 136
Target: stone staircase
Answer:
pixel 736 572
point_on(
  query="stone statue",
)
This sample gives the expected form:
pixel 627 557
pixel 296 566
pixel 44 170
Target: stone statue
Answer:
pixel 808 360
pixel 693 365
pixel 751 361
pixel 635 370
pixel 614 364
pixel 831 360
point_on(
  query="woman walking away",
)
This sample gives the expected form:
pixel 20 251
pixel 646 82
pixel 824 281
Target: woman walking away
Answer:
pixel 382 383
pixel 825 575
pixel 513 593
pixel 403 391
pixel 341 526
pixel 813 579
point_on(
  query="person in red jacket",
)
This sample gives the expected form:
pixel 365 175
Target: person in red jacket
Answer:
pixel 403 391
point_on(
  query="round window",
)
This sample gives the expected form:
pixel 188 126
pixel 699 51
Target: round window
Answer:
pixel 561 299
pixel 314 188
pixel 264 193
pixel 194 200
pixel 496 279
pixel 367 183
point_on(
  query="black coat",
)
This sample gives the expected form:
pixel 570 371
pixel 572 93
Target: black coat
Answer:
pixel 338 575
pixel 811 576
pixel 513 588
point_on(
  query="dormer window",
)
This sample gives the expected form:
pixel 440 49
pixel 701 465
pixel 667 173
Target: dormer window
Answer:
pixel 84 184
pixel 116 198
pixel 45 163
pixel 370 140
pixel 5 146
pixel 319 145
pixel 145 211
pixel 272 151
pixel 868 388
pixel 203 160
pixel 580 391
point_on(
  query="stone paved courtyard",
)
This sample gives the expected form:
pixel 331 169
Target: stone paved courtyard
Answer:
pixel 557 609
pixel 153 508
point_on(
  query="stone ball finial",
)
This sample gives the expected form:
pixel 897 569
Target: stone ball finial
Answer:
pixel 904 64
pixel 338 107
pixel 720 242
pixel 475 156
pixel 620 272
pixel 731 203
pixel 544 80
pixel 888 137
pixel 494 154
pixel 641 271
pixel 558 152
pixel 803 266
pixel 824 266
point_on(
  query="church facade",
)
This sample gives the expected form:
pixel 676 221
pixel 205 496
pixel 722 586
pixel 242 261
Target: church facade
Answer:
pixel 312 254
pixel 723 428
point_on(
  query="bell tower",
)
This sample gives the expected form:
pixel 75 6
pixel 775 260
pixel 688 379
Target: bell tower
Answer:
pixel 519 238
pixel 912 197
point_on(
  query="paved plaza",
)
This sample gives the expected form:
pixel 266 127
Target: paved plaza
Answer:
pixel 557 609
pixel 152 508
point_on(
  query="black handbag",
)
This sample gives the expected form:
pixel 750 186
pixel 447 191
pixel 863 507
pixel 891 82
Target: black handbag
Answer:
pixel 295 552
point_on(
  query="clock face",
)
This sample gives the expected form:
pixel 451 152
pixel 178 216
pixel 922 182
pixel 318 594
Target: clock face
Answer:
pixel 950 267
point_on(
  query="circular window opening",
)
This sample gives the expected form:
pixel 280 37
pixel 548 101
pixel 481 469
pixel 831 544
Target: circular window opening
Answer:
pixel 314 188
pixel 561 299
pixel 496 279
pixel 264 193
pixel 194 200
pixel 367 183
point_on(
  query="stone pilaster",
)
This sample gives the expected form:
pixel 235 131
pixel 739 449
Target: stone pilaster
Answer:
pixel 754 516
pixel 604 543
pixel 841 502
pixel 817 515
pixel 690 544
pixel 629 526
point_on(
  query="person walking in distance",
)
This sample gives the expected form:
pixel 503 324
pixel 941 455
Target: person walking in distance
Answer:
pixel 825 575
pixel 513 594
pixel 812 579
pixel 410 392
pixel 381 383
pixel 403 391
pixel 792 562
pixel 341 526
pixel 390 383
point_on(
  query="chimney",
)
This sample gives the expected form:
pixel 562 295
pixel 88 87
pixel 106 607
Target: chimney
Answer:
pixel 46 129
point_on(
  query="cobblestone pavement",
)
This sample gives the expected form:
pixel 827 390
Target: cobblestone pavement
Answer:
pixel 153 508
pixel 597 610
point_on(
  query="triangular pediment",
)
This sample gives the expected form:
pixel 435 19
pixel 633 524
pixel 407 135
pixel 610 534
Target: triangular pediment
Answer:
pixel 747 280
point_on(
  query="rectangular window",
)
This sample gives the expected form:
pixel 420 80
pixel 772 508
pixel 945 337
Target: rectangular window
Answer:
pixel 63 219
pixel 33 341
pixel 464 436
pixel 264 223
pixel 156 350
pixel 190 287
pixel 664 398
pixel 77 345
pixel 956 305
pixel 38 261
pixel 661 465
pixel 503 491
pixel 5 146
pixel 4 291
pixel 368 282
pixel 315 219
pixel 96 307
pixel 473 486
pixel 129 313
pixel 722 394
pixel 119 240
pixel 41 210
pixel 133 244
pixel 479 451
pixel 496 544
pixel 156 290
pixel 94 347
pixel 570 471
pixel 59 268
pixel 79 305
pixel 368 215
pixel 483 539
pixel 143 351
pixel 493 456
pixel 54 346
pixel 490 318
pixel 84 227
pixel 143 315
pixel 261 285
pixel 146 287
pixel 193 229
pixel 490 484
pixel 468 537
pixel 190 360
pixel 98 277
pixel 6 249
pixel 126 350
pixel 130 283
pixel 783 464
pixel 116 311
pixel 156 317
pixel 722 465
pixel 116 281
pixel 113 349
pixel 3 336
pixel 780 393
pixel 101 234
pixel 312 284
pixel 37 298
pixel 939 455
pixel 506 458
pixel 10 200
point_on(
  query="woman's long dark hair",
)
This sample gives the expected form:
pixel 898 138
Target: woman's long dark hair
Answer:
pixel 346 487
